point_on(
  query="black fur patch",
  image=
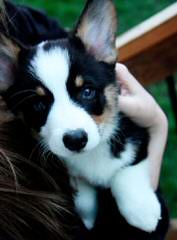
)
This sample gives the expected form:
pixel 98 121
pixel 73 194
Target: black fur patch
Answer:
pixel 128 131
pixel 96 75
pixel 22 96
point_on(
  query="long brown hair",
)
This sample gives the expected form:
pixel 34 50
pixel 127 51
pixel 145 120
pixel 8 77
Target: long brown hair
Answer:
pixel 2 15
pixel 35 198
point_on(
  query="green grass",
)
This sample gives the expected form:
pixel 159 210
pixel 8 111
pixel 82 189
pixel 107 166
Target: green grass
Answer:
pixel 169 170
pixel 130 13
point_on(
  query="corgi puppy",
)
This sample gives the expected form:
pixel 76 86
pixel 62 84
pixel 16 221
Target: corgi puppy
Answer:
pixel 66 91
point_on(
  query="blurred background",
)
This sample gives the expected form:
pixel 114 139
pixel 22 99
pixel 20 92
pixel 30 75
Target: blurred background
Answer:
pixel 130 13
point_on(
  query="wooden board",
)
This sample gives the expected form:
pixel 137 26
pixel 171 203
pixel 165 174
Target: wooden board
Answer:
pixel 172 234
pixel 150 49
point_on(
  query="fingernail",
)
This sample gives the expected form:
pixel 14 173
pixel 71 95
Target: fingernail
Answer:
pixel 117 66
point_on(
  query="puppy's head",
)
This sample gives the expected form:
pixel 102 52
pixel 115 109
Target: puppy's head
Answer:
pixel 66 89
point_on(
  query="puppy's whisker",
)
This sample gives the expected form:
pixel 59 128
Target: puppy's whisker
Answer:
pixel 117 139
pixel 21 92
pixel 43 154
pixel 34 150
pixel 42 151
pixel 48 155
pixel 23 100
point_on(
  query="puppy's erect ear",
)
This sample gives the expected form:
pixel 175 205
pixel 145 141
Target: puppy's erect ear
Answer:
pixel 9 52
pixel 97 28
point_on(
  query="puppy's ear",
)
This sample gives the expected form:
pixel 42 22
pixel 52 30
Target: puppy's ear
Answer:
pixel 9 52
pixel 97 28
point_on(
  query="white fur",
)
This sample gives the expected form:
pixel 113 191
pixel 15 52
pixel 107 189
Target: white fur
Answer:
pixel 135 197
pixel 52 69
pixel 86 202
pixel 98 166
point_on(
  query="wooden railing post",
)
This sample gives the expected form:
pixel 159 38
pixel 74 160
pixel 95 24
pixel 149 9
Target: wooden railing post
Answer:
pixel 172 234
pixel 150 49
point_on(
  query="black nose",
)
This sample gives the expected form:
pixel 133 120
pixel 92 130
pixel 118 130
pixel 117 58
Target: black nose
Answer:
pixel 75 140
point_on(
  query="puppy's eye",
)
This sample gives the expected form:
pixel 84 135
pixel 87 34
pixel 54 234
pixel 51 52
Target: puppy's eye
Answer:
pixel 88 93
pixel 39 107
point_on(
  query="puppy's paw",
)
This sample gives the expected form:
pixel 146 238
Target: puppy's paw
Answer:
pixel 135 198
pixel 89 223
pixel 143 213
pixel 86 203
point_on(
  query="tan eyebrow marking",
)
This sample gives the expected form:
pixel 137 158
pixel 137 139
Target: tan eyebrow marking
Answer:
pixel 40 91
pixel 79 81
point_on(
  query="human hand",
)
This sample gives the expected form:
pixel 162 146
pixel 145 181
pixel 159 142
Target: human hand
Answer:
pixel 141 107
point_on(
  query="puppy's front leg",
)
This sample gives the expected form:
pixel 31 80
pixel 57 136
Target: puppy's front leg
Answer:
pixel 86 202
pixel 135 197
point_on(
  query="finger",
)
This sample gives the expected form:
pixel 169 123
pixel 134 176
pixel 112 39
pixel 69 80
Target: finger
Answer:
pixel 127 105
pixel 126 79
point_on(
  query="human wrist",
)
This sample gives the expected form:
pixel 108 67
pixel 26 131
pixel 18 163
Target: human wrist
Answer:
pixel 159 126
pixel 158 137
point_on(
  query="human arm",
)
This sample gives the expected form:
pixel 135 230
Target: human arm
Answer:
pixel 141 107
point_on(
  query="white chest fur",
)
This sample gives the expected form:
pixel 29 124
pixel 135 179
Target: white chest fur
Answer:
pixel 98 166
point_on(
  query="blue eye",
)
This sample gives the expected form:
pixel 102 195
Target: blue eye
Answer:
pixel 88 93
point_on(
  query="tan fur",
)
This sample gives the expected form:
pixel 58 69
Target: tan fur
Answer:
pixel 79 81
pixel 40 91
pixel 111 106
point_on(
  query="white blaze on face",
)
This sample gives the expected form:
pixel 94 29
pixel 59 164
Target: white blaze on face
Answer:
pixel 52 69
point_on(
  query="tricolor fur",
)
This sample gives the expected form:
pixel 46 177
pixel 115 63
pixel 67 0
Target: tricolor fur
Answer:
pixel 66 92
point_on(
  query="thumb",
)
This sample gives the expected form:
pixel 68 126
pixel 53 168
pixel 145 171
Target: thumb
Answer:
pixel 127 105
pixel 127 80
